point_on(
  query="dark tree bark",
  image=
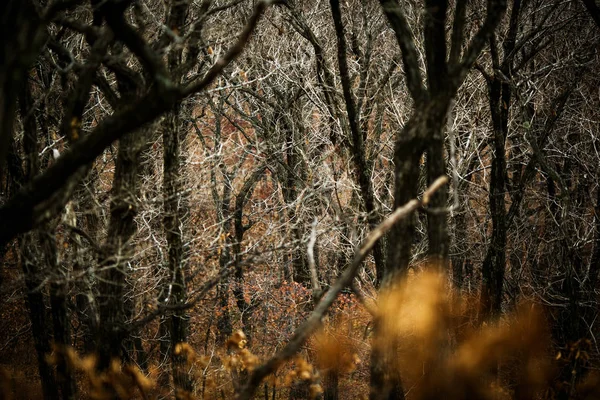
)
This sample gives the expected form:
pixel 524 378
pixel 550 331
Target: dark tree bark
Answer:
pixel 32 260
pixel 500 98
pixel 461 259
pixel 494 264
pixel 176 211
pixel 362 169
pixel 569 326
pixel 40 324
pixel 85 260
pixel 116 255
pixel 424 131
pixel 594 10
pixel 24 35
pixel 46 237
pixel 60 314
pixel 245 308
pixel 331 385
pixel 292 179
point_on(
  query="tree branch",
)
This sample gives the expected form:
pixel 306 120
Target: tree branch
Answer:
pixel 34 203
pixel 233 52
pixel 495 12
pixel 406 40
pixel 458 27
pixel 435 45
pixel 593 10
pixel 312 323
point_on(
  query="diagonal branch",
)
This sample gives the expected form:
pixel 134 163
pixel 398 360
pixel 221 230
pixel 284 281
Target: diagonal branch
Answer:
pixel 495 12
pixel 405 38
pixel 345 280
pixel 138 46
pixel 593 10
pixel 233 52
pixel 458 28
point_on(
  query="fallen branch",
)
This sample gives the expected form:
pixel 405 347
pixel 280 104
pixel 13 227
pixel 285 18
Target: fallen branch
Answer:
pixel 304 331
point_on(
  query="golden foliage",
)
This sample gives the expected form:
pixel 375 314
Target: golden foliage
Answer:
pixel 124 381
pixel 441 351
pixel 334 350
pixel 430 336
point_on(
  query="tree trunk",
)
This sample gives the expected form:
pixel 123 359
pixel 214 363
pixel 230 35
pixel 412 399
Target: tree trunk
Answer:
pixel 36 257
pixel 494 264
pixel 437 219
pixel 176 211
pixel 37 313
pixel 293 173
pixel 461 259
pixel 175 216
pixel 362 168
pixel 408 150
pixel 60 311
pixel 85 261
pixel 500 97
pixel 245 308
pixel 331 385
pixel 117 254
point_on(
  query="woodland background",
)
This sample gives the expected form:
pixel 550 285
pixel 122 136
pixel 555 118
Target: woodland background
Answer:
pixel 187 191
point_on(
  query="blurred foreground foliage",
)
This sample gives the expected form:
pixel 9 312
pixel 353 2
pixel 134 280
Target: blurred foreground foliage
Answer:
pixel 439 348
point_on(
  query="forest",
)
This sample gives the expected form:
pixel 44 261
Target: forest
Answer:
pixel 299 199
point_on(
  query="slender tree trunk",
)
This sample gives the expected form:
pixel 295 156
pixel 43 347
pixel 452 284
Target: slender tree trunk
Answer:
pixel 117 254
pixel 37 257
pixel 46 236
pixel 362 168
pixel 85 261
pixel 245 308
pixel 494 264
pixel 175 216
pixel 60 312
pixel 293 173
pixel 176 211
pixel 224 326
pixel 331 385
pixel 461 259
pixel 24 36
pixel 40 329
pixel 437 219
pixel 569 327
pixel 500 97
